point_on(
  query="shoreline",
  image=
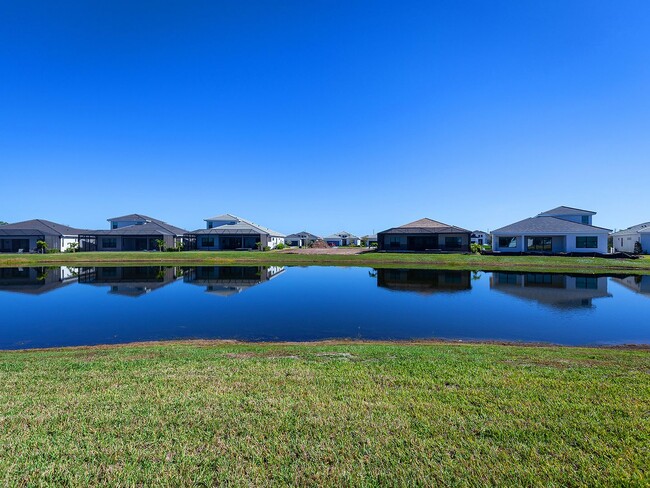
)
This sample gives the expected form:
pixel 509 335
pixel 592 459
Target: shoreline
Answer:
pixel 472 262
pixel 211 343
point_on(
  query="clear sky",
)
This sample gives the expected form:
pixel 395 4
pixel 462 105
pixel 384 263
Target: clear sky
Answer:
pixel 324 115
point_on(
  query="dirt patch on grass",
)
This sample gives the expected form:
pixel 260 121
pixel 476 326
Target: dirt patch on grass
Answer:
pixel 331 251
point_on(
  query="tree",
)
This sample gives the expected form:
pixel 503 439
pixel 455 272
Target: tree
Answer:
pixel 161 244
pixel 2 222
pixel 41 246
pixel 637 248
pixel 72 247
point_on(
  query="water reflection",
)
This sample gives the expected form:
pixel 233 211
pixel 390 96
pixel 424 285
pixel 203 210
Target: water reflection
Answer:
pixel 554 290
pixel 314 303
pixel 35 281
pixel 637 283
pixel 230 280
pixel 130 281
pixel 424 281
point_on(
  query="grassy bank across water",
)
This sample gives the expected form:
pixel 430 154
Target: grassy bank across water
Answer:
pixel 373 259
pixel 325 414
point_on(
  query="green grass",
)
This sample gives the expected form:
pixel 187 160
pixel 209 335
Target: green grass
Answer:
pixel 325 414
pixel 384 260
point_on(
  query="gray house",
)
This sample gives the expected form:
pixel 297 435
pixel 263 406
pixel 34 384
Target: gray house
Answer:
pixel 133 232
pixel 424 235
pixel 301 239
pixel 560 230
pixel 226 281
pixel 229 232
pixel 22 236
pixel 343 238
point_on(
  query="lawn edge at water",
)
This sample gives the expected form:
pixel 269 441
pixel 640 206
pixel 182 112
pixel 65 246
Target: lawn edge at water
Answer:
pixel 370 259
pixel 203 343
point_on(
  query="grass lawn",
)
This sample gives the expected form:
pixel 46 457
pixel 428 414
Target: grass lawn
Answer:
pixel 384 260
pixel 325 414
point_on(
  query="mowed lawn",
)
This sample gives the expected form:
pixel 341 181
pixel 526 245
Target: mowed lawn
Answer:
pixel 325 414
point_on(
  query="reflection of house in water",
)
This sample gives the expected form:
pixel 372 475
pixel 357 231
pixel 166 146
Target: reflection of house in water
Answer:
pixel 555 290
pixel 230 280
pixel 638 283
pixel 129 281
pixel 35 281
pixel 424 280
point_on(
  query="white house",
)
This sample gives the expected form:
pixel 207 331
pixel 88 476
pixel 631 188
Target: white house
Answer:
pixel 479 237
pixel 301 239
pixel 343 238
pixel 228 231
pixel 624 240
pixel 560 230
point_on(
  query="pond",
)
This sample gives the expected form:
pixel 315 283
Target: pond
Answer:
pixel 52 307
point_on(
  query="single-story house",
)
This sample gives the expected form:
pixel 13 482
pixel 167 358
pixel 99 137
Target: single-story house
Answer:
pixel 301 239
pixel 228 231
pixel 133 232
pixel 230 280
pixel 480 237
pixel 343 238
pixel 624 240
pixel 22 236
pixel 551 289
pixel 424 235
pixel 560 230
pixel 370 240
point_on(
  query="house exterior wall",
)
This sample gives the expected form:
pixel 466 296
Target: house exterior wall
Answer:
pixel 645 242
pixel 263 239
pixel 125 223
pixel 560 243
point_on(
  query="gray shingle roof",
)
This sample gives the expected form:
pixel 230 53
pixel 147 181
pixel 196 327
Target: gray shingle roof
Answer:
pixel 223 217
pixel 132 217
pixel 241 225
pixel 302 235
pixel 151 228
pixel 38 226
pixel 547 225
pixel 342 235
pixel 562 210
pixel 639 228
pixel 425 226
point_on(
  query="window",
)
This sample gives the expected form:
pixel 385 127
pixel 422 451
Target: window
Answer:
pixel 395 243
pixel 590 242
pixel 453 242
pixel 544 244
pixel 510 242
pixel 585 219
pixel 209 225
pixel 113 225
pixel 207 241
pixel 109 243
pixel 586 283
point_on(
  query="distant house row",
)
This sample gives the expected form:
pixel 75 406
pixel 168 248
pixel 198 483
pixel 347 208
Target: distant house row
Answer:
pixel 560 230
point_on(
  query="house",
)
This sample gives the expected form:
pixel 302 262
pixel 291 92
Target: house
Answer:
pixel 228 231
pixel 551 289
pixel 625 240
pixel 480 237
pixel 560 230
pixel 22 236
pixel 425 281
pixel 301 239
pixel 370 240
pixel 226 281
pixel 133 232
pixel 424 235
pixel 342 238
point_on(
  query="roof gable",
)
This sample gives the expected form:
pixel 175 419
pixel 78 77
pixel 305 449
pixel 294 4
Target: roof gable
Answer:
pixel 423 223
pixel 562 210
pixel 43 226
pixel 132 217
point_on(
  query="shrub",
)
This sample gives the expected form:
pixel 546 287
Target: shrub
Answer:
pixel 280 246
pixel 72 247
pixel 475 248
pixel 266 248
pixel 637 248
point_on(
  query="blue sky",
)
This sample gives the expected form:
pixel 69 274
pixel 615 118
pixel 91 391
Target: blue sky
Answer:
pixel 324 115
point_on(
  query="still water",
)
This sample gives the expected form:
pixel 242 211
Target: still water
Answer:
pixel 51 307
